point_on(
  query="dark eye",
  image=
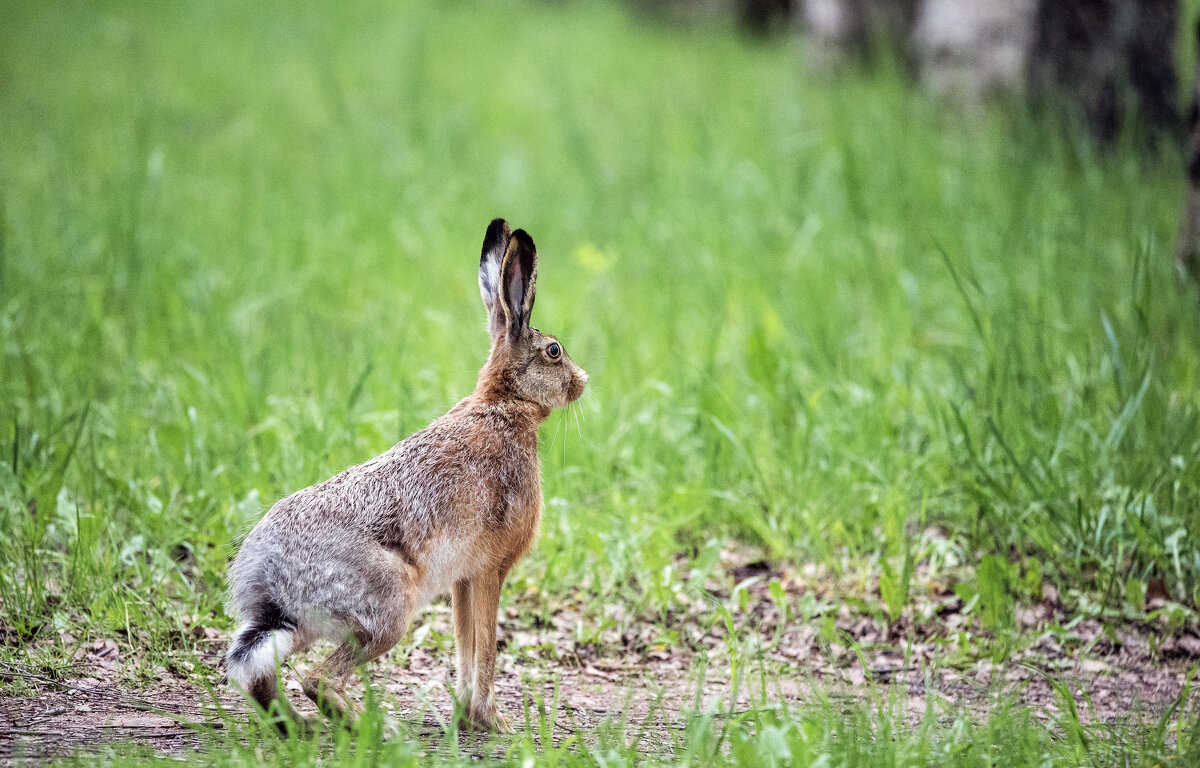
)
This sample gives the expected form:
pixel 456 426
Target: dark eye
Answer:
pixel 554 351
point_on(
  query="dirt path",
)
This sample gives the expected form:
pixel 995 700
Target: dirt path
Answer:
pixel 624 676
pixel 654 699
pixel 589 667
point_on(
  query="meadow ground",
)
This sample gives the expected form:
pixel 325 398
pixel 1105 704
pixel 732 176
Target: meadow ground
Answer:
pixel 890 454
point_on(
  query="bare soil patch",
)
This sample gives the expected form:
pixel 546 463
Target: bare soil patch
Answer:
pixel 628 673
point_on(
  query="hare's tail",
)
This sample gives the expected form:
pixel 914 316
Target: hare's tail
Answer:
pixel 258 648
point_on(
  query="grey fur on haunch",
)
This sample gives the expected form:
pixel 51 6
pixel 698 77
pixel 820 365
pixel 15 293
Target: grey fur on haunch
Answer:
pixel 450 508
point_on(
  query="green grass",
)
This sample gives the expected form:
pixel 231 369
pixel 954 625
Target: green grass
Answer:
pixel 824 734
pixel 237 254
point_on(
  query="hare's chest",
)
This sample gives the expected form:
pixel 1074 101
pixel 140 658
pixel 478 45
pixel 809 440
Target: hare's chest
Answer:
pixel 449 558
pixel 517 504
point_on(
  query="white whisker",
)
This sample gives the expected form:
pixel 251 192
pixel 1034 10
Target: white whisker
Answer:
pixel 557 426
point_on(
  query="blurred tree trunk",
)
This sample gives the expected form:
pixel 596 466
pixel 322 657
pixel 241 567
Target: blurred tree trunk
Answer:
pixel 1116 57
pixel 1189 225
pixel 855 26
pixel 765 16
pixel 974 48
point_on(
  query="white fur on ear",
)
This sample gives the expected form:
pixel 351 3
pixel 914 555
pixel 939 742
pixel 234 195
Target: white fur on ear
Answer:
pixel 489 280
pixel 491 260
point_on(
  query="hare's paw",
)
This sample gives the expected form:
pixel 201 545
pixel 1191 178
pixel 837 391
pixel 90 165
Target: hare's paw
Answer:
pixel 501 724
pixel 489 719
pixel 297 726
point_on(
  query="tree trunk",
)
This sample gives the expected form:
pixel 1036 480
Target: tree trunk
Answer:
pixel 1189 225
pixel 855 26
pixel 766 16
pixel 974 48
pixel 1115 57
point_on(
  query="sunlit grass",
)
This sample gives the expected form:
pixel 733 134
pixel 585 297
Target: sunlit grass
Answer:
pixel 825 732
pixel 237 254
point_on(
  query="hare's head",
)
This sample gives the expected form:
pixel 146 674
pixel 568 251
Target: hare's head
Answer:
pixel 524 363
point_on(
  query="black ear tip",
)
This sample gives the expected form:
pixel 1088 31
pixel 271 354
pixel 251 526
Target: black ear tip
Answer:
pixel 497 235
pixel 522 240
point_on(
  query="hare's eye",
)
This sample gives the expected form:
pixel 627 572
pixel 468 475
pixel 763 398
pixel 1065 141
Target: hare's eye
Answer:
pixel 554 351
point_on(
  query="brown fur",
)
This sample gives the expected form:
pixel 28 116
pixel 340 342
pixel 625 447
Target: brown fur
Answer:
pixel 452 507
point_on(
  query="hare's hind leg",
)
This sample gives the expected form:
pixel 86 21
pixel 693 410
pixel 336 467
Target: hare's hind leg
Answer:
pixel 326 684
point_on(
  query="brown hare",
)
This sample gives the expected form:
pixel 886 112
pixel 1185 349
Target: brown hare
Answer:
pixel 449 509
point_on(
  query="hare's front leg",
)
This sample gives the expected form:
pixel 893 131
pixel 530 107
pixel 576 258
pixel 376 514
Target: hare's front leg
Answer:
pixel 485 600
pixel 464 641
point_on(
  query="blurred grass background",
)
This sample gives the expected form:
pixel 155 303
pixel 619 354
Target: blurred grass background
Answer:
pixel 238 251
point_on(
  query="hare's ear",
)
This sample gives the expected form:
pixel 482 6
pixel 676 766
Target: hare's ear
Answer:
pixel 495 244
pixel 518 283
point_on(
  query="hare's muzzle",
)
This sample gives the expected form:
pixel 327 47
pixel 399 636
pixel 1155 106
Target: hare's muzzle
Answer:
pixel 579 380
